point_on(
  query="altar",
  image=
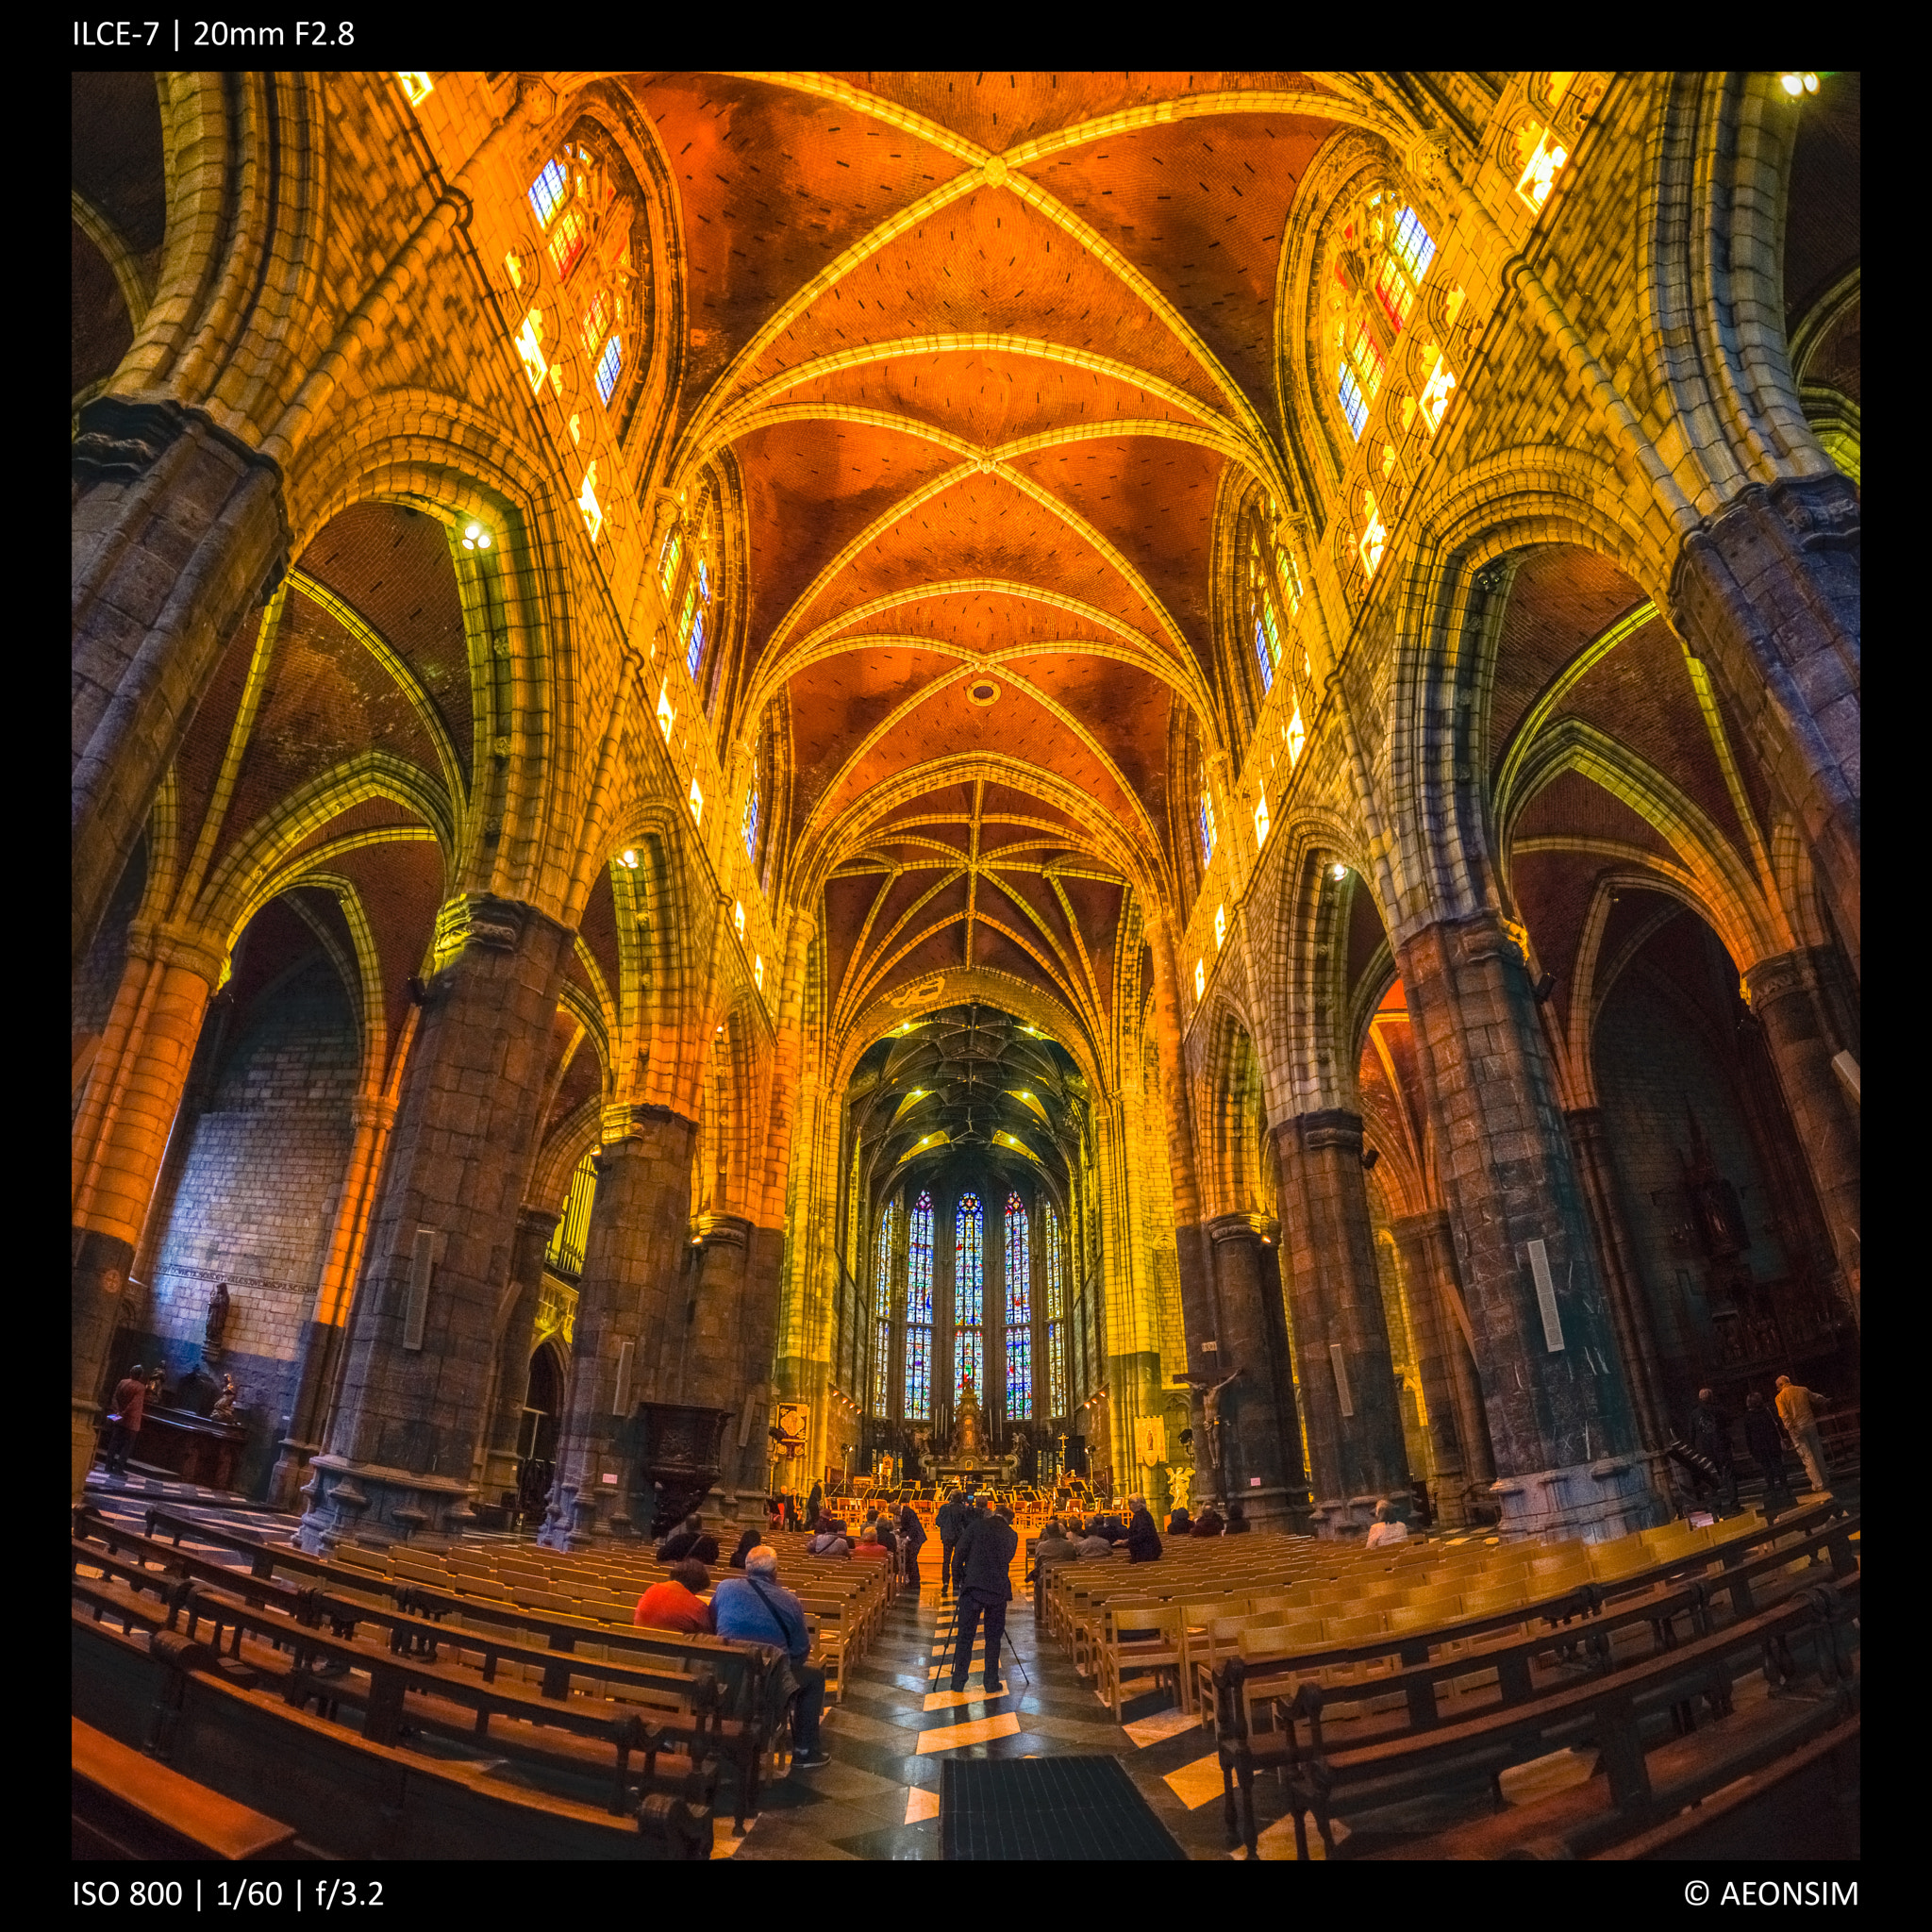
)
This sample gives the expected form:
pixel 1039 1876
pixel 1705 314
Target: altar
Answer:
pixel 972 1465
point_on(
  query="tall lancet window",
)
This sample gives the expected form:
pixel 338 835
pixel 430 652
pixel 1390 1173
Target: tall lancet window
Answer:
pixel 882 1314
pixel 1019 1313
pixel 1056 1320
pixel 919 1312
pixel 969 1297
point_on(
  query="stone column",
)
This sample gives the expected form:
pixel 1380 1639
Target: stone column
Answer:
pixel 748 1444
pixel 1352 1411
pixel 322 1339
pixel 402 1441
pixel 1629 1299
pixel 1788 1001
pixel 1258 1425
pixel 633 1302
pixel 1438 1342
pixel 1559 1417
pixel 120 1137
pixel 1768 593
pixel 711 1361
pixel 179 529
pixel 1200 1322
pixel 524 1293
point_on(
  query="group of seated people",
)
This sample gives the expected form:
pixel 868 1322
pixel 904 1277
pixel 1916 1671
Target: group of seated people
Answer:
pixel 754 1608
pixel 1098 1535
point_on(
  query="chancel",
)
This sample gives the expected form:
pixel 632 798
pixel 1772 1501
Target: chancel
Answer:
pixel 1042 881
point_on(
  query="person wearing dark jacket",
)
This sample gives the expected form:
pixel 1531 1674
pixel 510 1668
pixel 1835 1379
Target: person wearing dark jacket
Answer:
pixel 691 1539
pixel 1180 1522
pixel 911 1539
pixel 983 1566
pixel 1208 1522
pixel 746 1544
pixel 950 1521
pixel 1238 1524
pixel 1143 1540
pixel 1766 1442
pixel 1710 1435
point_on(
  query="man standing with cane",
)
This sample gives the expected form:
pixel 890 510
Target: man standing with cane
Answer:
pixel 984 1566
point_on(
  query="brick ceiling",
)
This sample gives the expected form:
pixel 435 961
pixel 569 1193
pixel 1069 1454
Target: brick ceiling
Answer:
pixel 982 423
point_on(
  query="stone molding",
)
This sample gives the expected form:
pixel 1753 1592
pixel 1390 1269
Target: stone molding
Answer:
pixel 1594 1500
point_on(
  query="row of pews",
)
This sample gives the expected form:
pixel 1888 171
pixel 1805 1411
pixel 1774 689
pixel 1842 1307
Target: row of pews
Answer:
pixel 1641 1679
pixel 473 1702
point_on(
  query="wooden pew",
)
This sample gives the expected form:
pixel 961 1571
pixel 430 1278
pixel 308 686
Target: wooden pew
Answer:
pixel 1814 1634
pixel 125 1805
pixel 353 1798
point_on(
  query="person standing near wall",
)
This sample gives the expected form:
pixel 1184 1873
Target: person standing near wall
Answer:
pixel 124 1423
pixel 1795 1411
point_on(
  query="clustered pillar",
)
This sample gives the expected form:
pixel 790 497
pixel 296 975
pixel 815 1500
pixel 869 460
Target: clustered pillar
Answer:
pixel 1459 1440
pixel 634 1300
pixel 1260 1466
pixel 1559 1418
pixel 1355 1452
pixel 423 1332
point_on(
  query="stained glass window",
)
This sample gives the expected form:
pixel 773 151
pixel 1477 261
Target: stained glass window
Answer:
pixel 609 363
pixel 751 822
pixel 1056 1320
pixel 667 563
pixel 1019 1311
pixel 567 240
pixel 919 1312
pixel 882 1313
pixel 1267 630
pixel 547 192
pixel 1207 824
pixel 969 1296
pixel 1352 404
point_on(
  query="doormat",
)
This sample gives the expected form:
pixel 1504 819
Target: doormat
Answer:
pixel 1047 1808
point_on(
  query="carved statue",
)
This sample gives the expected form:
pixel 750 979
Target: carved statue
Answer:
pixel 223 1411
pixel 217 1320
pixel 968 1440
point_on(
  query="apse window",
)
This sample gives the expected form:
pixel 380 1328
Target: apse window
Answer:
pixel 696 801
pixel 609 363
pixel 751 823
pixel 548 193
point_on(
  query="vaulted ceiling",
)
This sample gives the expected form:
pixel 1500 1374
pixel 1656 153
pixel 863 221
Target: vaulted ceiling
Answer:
pixel 984 347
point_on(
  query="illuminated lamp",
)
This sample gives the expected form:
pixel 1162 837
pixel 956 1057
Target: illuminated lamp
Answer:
pixel 1337 871
pixel 629 859
pixel 475 537
pixel 417 87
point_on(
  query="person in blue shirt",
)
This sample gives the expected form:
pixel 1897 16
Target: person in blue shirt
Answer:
pixel 758 1608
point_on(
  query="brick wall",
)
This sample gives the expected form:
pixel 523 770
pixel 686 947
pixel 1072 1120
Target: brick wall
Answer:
pixel 264 1167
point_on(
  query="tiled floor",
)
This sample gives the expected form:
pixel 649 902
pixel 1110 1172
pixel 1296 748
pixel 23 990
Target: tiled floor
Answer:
pixel 899 1722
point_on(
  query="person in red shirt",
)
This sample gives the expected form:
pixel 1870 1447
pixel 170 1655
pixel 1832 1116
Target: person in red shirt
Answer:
pixel 675 1604
pixel 870 1546
pixel 124 1420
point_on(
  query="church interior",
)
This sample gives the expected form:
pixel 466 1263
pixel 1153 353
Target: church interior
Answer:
pixel 685 906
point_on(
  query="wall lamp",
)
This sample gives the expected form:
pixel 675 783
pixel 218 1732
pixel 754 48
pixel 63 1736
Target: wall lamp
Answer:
pixel 1544 987
pixel 1370 1157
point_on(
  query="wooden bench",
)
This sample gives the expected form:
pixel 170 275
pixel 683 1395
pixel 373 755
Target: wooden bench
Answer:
pixel 1814 1633
pixel 631 1704
pixel 125 1805
pixel 353 1798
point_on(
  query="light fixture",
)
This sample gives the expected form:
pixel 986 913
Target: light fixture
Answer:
pixel 629 859
pixel 417 87
pixel 1798 84
pixel 475 537
pixel 1337 871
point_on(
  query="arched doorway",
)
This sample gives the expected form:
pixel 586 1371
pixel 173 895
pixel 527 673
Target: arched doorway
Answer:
pixel 537 1439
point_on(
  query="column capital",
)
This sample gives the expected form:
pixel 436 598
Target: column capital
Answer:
pixel 1780 976
pixel 1243 1225
pixel 722 1230
pixel 1327 1126
pixel 631 1123
pixel 538 1221
pixel 1419 1227
pixel 379 1114
pixel 481 922
pixel 173 943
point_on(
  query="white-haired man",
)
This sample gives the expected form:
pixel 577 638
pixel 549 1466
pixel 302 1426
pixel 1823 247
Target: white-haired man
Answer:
pixel 758 1608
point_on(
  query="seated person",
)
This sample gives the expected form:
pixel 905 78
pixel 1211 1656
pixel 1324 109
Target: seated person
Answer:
pixel 746 1544
pixel 1054 1546
pixel 1180 1522
pixel 675 1604
pixel 825 1541
pixel 758 1608
pixel 1238 1524
pixel 1143 1540
pixel 869 1547
pixel 1093 1544
pixel 1208 1522
pixel 691 1539
pixel 1388 1527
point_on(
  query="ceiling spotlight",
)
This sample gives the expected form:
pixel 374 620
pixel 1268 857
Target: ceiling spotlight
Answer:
pixel 475 537
pixel 1337 871
pixel 1796 85
pixel 627 858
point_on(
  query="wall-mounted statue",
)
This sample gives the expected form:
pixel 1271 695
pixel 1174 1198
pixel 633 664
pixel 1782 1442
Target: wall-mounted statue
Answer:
pixel 223 1411
pixel 216 1328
